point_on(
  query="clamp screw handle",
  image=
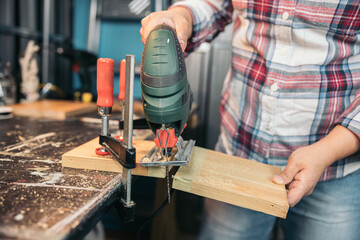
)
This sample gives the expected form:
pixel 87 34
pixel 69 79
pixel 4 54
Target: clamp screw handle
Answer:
pixel 122 80
pixel 105 82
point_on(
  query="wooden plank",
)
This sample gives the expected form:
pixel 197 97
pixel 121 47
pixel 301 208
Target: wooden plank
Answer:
pixel 233 180
pixel 84 157
pixel 55 109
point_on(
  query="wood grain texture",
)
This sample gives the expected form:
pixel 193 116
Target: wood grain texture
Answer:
pixel 233 180
pixel 84 157
pixel 54 109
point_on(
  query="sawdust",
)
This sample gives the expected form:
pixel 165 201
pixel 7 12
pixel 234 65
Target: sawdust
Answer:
pixel 5 160
pixel 184 180
pixel 21 138
pixel 19 217
pixel 48 178
pixel 216 181
pixel 57 144
pixel 33 186
pixel 28 206
pixel 38 169
pixel 13 132
pixel 53 178
pixel 48 161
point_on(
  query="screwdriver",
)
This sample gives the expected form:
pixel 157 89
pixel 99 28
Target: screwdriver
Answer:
pixel 105 91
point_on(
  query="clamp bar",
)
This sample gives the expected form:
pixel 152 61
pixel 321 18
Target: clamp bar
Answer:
pixel 128 206
pixel 125 156
pixel 129 100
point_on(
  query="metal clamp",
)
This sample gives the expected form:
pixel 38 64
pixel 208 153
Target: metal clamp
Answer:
pixel 125 156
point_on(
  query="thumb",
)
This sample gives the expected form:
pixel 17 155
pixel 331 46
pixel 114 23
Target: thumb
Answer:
pixel 287 175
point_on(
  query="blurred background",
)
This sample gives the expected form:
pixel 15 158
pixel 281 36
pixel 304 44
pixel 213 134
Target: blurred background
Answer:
pixel 55 43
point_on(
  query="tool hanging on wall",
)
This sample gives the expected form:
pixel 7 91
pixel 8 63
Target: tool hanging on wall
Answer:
pixel 122 150
pixel 167 99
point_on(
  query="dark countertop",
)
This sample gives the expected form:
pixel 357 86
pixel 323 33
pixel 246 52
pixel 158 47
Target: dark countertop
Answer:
pixel 38 198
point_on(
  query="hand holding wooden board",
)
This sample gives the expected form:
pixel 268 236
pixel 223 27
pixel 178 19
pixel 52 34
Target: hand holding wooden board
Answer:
pixel 233 180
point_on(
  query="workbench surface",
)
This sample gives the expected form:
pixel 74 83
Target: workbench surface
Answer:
pixel 39 199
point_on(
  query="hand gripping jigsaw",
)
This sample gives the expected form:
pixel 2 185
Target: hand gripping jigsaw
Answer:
pixel 167 98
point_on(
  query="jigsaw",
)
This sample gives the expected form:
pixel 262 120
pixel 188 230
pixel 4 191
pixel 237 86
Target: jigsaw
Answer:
pixel 167 98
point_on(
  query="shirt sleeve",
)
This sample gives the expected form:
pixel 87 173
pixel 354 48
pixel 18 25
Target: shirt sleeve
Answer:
pixel 209 19
pixel 351 117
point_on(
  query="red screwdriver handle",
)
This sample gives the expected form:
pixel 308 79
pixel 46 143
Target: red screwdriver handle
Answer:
pixel 105 82
pixel 122 80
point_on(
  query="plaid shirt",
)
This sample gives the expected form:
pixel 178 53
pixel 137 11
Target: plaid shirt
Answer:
pixel 295 74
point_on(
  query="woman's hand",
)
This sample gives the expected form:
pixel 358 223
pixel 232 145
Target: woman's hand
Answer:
pixel 306 164
pixel 179 18
pixel 303 171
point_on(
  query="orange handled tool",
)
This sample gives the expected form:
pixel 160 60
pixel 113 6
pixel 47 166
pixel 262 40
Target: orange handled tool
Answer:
pixel 105 82
pixel 122 80
pixel 105 91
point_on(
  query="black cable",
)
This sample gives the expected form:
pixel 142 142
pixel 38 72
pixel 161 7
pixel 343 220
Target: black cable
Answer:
pixel 147 221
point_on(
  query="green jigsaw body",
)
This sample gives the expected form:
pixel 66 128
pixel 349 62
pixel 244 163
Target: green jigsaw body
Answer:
pixel 165 89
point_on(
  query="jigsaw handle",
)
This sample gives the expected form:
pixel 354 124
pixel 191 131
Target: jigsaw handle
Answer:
pixel 122 80
pixel 105 82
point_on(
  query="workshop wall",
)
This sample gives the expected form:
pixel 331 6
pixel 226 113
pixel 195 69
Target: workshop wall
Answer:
pixel 22 21
pixel 81 23
pixel 117 38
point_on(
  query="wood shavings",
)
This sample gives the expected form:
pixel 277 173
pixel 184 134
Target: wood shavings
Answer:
pixel 21 138
pixel 19 217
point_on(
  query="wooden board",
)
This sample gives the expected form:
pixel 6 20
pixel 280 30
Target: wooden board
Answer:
pixel 211 174
pixel 84 157
pixel 55 109
pixel 233 180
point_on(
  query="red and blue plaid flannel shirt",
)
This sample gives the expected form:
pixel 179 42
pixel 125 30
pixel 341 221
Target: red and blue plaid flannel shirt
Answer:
pixel 295 74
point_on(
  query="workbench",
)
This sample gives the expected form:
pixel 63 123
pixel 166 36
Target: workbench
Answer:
pixel 39 199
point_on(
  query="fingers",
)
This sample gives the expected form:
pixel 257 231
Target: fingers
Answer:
pixel 301 186
pixel 182 32
pixel 295 189
pixel 295 193
pixel 301 173
pixel 154 19
pixel 287 175
pixel 178 18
